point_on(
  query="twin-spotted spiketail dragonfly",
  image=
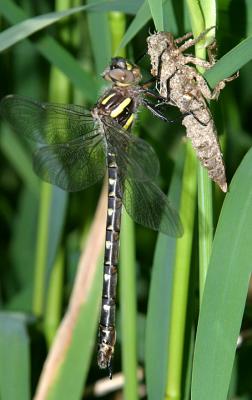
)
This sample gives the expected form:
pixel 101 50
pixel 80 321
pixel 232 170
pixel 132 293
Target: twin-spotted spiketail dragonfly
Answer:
pixel 75 148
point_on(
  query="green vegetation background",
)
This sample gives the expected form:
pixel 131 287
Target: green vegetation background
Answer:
pixel 169 290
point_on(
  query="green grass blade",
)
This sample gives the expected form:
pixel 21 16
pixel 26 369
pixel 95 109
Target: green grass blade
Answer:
pixel 56 220
pixel 40 272
pixel 249 18
pixel 98 26
pixel 205 217
pixel 159 305
pixel 208 8
pixel 54 299
pixel 124 6
pixel 206 17
pixel 196 17
pixel 117 23
pixel 22 248
pixel 61 58
pixel 225 290
pixel 70 354
pixel 230 62
pixel 51 217
pixel 156 10
pixel 181 277
pixel 170 21
pixel 128 306
pixel 26 28
pixel 15 357
pixel 19 159
pixel 142 17
pixel 56 54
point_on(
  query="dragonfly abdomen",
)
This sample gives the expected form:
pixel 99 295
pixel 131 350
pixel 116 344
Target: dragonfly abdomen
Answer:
pixel 107 333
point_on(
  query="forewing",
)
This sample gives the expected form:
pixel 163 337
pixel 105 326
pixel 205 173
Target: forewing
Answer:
pixel 45 123
pixel 134 156
pixel 72 166
pixel 148 206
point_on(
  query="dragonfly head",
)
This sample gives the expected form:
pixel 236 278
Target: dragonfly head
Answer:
pixel 122 72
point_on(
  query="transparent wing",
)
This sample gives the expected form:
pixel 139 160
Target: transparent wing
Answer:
pixel 72 166
pixel 134 156
pixel 148 206
pixel 138 166
pixel 45 123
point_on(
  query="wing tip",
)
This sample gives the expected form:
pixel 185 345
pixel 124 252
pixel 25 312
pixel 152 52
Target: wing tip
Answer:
pixel 173 229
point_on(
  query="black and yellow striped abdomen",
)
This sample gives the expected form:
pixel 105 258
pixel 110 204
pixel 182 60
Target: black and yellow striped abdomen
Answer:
pixel 119 105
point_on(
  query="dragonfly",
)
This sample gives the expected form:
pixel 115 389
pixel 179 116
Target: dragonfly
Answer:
pixel 75 148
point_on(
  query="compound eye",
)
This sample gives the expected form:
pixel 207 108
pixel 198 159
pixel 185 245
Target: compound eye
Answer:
pixel 121 64
pixel 118 63
pixel 121 76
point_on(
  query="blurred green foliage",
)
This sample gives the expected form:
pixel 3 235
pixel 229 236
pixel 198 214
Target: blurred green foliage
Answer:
pixel 43 229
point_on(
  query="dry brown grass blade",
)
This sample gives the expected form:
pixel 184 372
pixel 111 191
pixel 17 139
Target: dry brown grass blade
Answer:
pixel 83 283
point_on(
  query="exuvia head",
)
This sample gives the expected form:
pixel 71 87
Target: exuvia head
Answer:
pixel 122 72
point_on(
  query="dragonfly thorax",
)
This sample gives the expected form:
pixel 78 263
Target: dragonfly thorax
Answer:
pixel 120 104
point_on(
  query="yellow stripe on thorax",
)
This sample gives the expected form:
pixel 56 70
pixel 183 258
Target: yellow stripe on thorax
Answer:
pixel 128 122
pixel 119 109
pixel 104 101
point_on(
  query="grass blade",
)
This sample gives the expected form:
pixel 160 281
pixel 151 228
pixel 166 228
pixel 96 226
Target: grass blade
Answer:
pixel 205 217
pixel 230 62
pixel 42 250
pixel 22 246
pixel 54 298
pixel 14 356
pixel 24 29
pixel 19 158
pixel 206 17
pixel 128 306
pixel 156 10
pixel 225 291
pixel 75 338
pixel 51 217
pixel 181 277
pixel 98 25
pixel 56 54
pixel 142 17
pixel 209 11
pixel 159 305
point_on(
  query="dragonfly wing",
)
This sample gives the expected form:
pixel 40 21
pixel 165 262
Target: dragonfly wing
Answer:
pixel 134 156
pixel 45 123
pixel 72 166
pixel 148 206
